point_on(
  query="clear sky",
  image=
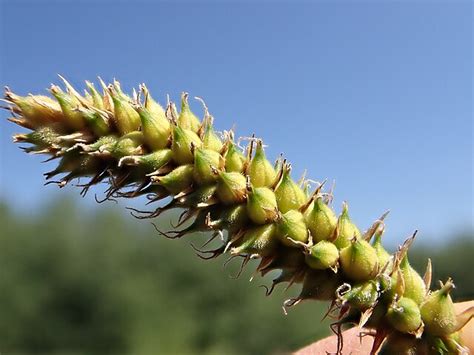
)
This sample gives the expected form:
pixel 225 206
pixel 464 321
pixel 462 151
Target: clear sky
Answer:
pixel 376 95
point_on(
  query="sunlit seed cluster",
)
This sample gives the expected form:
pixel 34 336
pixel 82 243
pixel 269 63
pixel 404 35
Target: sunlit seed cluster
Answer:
pixel 254 206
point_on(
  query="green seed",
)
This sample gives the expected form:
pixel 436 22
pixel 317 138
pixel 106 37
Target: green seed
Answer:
pixel 359 260
pixel 183 139
pixel 150 162
pixel 156 128
pixel 257 240
pixel 262 205
pixel 126 118
pixel 382 255
pixel 206 161
pixel 322 255
pixel 177 180
pixel 288 194
pixel 96 121
pixel 346 229
pixel 321 220
pixel 261 171
pixel 187 119
pixel 210 140
pixel 403 344
pixel 234 159
pixel 291 225
pixel 128 144
pixel 404 315
pixel 69 105
pixel 414 285
pixel 438 312
pixel 232 218
pixel 97 100
pixel 231 188
pixel 362 296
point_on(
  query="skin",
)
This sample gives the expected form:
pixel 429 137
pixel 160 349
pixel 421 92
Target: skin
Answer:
pixel 353 344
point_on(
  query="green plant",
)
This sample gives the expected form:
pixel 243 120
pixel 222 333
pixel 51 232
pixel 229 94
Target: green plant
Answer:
pixel 141 148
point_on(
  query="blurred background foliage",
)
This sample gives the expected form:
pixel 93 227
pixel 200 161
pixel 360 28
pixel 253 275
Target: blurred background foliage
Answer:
pixel 97 281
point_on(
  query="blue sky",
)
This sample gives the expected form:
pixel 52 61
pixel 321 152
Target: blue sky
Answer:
pixel 377 96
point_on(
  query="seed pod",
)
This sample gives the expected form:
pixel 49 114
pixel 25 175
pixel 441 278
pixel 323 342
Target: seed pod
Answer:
pixel 403 344
pixel 76 164
pixel 42 138
pixel 414 285
pixel 290 259
pixel 232 218
pixel 37 111
pixel 70 106
pixel 438 312
pixel 200 198
pixel 321 220
pixel 404 315
pixel 362 296
pixel 126 118
pixel 292 225
pixel 382 255
pixel 359 260
pixel 210 140
pixel 234 159
pixel 97 100
pixel 205 163
pixel 319 285
pixel 187 119
pixel 257 240
pixel 346 229
pixel 153 107
pixel 452 344
pixel 156 128
pixel 96 121
pixel 105 143
pixel 128 144
pixel 288 194
pixel 183 139
pixel 231 188
pixel 261 171
pixel 262 205
pixel 150 162
pixel 322 255
pixel 177 180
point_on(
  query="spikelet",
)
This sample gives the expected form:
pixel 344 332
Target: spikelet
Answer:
pixel 254 206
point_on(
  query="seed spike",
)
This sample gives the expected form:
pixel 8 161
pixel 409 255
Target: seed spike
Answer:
pixel 141 149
